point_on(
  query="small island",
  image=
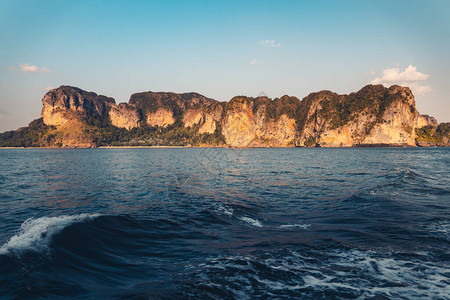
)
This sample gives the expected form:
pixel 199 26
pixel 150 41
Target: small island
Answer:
pixel 373 116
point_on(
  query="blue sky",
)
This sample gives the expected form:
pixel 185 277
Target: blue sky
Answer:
pixel 221 49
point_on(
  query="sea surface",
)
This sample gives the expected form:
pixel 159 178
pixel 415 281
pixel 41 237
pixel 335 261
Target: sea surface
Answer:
pixel 215 223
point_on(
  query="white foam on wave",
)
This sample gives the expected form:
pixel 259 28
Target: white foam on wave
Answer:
pixel 228 211
pixel 412 279
pixel 299 225
pixel 364 274
pixel 36 234
pixel 441 229
pixel 251 221
pixel 223 210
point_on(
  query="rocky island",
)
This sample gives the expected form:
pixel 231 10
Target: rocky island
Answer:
pixel 373 116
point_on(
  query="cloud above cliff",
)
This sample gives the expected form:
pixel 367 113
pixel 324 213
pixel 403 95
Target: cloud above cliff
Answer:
pixel 269 43
pixel 46 88
pixel 28 68
pixel 410 77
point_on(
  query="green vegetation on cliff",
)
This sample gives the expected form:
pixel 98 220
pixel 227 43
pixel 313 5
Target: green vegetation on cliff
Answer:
pixel 37 134
pixel 102 133
pixel 144 135
pixel 338 110
pixel 85 119
pixel 432 135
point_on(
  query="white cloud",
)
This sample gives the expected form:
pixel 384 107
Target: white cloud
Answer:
pixel 269 43
pixel 394 75
pixel 47 88
pixel 421 89
pixel 410 77
pixel 27 68
pixel 254 61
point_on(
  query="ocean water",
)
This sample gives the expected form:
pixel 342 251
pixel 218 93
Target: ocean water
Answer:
pixel 359 223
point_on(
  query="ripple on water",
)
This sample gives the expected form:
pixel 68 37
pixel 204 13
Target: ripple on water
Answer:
pixel 301 274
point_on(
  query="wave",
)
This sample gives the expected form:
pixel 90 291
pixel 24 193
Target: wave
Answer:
pixel 229 212
pixel 36 234
pixel 349 273
pixel 299 225
pixel 253 222
pixel 440 229
pixel 223 210
pixel 415 179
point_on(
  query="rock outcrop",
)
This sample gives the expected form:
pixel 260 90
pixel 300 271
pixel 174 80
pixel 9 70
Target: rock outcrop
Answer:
pixel 67 103
pixel 124 116
pixel 432 135
pixel 425 120
pixel 206 119
pixel 373 116
pixel 247 122
pixel 163 109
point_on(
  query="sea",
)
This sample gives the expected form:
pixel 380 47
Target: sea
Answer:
pixel 225 223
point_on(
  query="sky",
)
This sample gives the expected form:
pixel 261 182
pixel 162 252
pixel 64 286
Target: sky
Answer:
pixel 221 49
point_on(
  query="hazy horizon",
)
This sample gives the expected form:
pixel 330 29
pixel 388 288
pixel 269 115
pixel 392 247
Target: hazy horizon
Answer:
pixel 221 50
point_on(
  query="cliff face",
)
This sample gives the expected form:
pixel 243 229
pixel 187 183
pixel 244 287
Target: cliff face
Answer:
pixel 124 116
pixel 206 119
pixel 163 109
pixel 66 103
pixel 375 115
pixel 247 123
pixel 425 120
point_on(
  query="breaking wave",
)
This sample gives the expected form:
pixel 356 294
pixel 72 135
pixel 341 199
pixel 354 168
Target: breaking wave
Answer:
pixel 36 234
pixel 295 274
pixel 299 225
pixel 253 222
pixel 283 224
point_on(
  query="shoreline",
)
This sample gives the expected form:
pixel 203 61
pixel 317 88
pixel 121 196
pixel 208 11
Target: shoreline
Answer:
pixel 225 147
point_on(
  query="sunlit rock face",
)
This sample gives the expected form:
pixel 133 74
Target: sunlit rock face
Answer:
pixel 397 124
pixel 247 122
pixel 239 124
pixel 162 117
pixel 66 103
pixel 164 108
pixel 124 116
pixel 375 115
pixel 425 120
pixel 205 118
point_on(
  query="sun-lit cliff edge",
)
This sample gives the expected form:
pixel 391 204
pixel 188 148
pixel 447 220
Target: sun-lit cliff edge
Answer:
pixel 373 116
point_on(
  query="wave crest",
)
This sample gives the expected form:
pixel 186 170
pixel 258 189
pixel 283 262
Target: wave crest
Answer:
pixel 250 221
pixel 36 234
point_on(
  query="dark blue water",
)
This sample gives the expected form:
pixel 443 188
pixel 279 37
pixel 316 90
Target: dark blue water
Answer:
pixel 225 223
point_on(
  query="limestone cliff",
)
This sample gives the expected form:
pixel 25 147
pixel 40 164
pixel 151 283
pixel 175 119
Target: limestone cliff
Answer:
pixel 163 109
pixel 425 120
pixel 247 122
pixel 373 116
pixel 124 116
pixel 206 119
pixel 66 103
